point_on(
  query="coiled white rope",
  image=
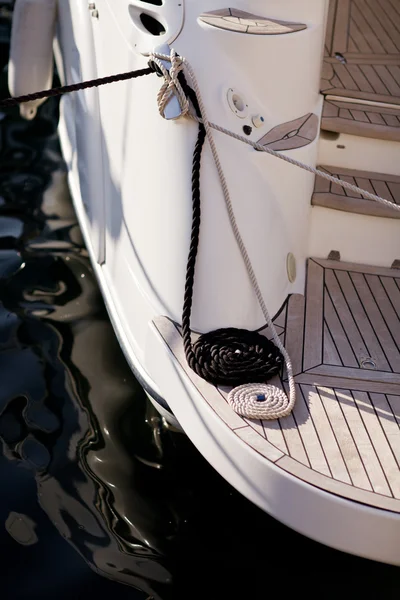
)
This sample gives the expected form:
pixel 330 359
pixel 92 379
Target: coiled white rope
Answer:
pixel 259 401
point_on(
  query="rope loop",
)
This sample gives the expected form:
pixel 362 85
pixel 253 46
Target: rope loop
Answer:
pixel 171 85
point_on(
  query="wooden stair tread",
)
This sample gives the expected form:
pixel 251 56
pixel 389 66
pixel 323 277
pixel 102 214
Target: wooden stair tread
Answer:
pixel 356 118
pixel 344 433
pixel 362 62
pixel 330 195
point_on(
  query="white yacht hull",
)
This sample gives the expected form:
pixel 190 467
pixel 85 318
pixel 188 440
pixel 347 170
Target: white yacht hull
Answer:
pixel 130 178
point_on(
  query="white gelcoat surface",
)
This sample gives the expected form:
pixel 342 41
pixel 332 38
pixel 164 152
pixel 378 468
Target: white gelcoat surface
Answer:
pixel 360 153
pixel 77 36
pixel 126 14
pixel 359 238
pixel 147 163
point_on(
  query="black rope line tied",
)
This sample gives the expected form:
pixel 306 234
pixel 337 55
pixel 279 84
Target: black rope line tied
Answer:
pixel 225 356
pixel 75 87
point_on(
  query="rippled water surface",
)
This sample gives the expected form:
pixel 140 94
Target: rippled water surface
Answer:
pixel 95 491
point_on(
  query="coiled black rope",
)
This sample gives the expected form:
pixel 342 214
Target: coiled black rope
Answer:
pixel 75 87
pixel 225 356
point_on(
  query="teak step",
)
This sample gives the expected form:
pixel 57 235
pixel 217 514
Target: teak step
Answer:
pixel 331 195
pixel 362 65
pixel 361 117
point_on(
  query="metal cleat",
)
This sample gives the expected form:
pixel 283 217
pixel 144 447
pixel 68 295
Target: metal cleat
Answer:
pixel 172 109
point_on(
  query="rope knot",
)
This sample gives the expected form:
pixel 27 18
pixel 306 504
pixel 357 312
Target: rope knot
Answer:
pixel 171 86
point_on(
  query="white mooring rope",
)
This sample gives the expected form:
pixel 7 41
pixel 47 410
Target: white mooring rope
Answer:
pixel 253 400
pixel 258 401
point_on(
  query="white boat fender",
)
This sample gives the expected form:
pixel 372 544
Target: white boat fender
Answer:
pixel 31 62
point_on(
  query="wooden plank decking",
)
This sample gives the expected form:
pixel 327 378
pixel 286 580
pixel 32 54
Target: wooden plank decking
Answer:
pixel 331 195
pixel 362 62
pixel 343 336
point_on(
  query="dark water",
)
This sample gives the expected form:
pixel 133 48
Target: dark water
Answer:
pixel 95 491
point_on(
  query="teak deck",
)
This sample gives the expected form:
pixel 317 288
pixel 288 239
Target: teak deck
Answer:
pixel 331 195
pixel 343 336
pixel 362 63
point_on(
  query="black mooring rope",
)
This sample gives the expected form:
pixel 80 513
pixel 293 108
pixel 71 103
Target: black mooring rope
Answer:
pixel 225 356
pixel 75 87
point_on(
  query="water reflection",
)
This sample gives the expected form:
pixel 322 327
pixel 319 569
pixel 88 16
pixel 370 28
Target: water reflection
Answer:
pixel 64 385
pixel 84 457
